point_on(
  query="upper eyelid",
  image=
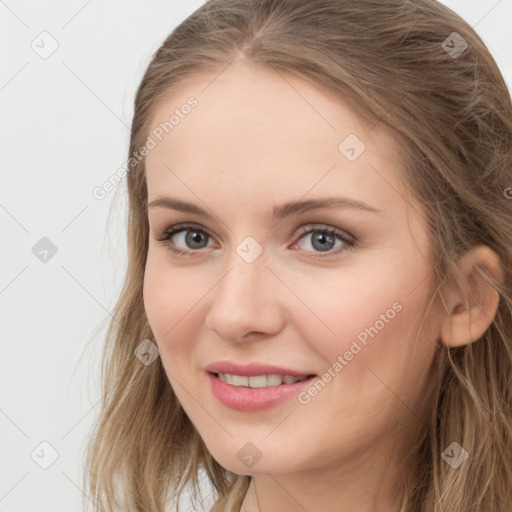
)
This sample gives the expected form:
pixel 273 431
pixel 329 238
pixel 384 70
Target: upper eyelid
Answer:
pixel 302 230
pixel 349 241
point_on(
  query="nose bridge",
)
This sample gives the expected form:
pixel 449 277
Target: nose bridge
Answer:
pixel 243 301
pixel 245 282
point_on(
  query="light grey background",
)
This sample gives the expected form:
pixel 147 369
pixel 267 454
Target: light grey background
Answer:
pixel 64 128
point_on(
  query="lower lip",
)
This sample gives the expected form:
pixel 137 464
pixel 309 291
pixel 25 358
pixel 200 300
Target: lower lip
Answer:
pixel 253 399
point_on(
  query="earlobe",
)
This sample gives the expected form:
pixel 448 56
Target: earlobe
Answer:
pixel 471 312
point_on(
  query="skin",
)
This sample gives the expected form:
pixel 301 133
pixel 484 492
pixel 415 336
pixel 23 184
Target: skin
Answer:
pixel 259 139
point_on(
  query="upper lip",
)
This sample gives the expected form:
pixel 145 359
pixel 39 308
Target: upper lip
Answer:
pixel 252 369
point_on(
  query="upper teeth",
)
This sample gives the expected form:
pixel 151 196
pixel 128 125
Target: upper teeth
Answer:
pixel 258 381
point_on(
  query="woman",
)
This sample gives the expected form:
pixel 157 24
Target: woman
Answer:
pixel 317 307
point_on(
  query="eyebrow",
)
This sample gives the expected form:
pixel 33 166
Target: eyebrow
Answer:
pixel 279 212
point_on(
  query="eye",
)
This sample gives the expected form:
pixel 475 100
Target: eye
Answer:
pixel 194 237
pixel 189 234
pixel 323 240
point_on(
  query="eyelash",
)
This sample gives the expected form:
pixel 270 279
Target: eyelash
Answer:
pixel 350 243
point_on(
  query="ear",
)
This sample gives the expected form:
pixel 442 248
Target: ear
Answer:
pixel 471 312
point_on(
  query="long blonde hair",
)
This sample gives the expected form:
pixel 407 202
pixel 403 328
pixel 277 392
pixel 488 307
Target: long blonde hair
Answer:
pixel 452 114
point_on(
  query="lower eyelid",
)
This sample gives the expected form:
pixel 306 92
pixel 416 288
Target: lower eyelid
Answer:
pixel 348 241
pixel 346 245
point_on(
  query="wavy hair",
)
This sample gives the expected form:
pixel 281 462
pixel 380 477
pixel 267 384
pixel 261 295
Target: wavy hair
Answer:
pixel 452 115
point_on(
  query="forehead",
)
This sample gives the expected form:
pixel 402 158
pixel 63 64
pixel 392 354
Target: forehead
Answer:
pixel 254 127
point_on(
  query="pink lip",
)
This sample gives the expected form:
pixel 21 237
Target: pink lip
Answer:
pixel 252 369
pixel 253 399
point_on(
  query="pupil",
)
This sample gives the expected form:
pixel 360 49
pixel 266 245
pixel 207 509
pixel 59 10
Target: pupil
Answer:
pixel 194 237
pixel 323 238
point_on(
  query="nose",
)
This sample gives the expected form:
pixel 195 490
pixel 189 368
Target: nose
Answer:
pixel 245 302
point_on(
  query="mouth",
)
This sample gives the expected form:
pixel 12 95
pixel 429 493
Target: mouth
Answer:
pixel 253 393
pixel 260 381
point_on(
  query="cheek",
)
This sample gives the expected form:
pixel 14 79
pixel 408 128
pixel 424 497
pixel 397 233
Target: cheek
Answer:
pixel 341 306
pixel 173 304
pixel 167 299
pixel 368 321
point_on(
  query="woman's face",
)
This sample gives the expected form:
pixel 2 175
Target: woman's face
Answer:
pixel 344 305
